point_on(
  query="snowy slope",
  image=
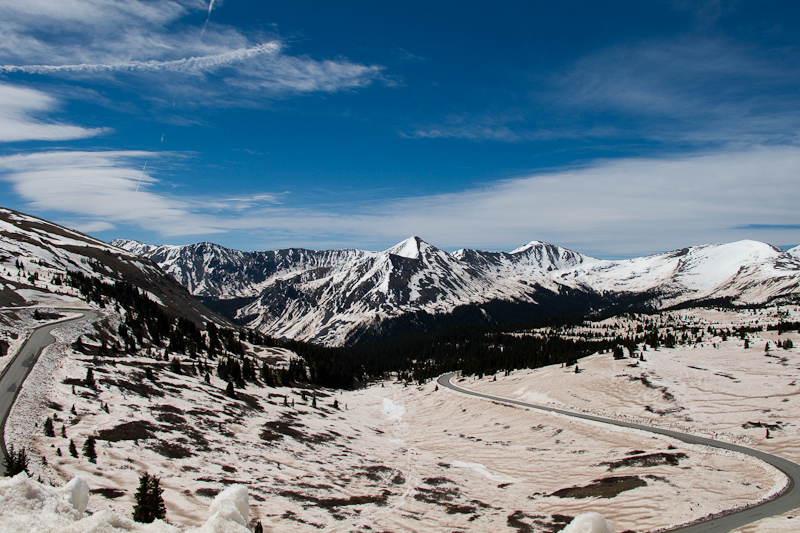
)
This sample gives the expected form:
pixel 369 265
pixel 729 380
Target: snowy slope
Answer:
pixel 689 273
pixel 35 256
pixel 333 296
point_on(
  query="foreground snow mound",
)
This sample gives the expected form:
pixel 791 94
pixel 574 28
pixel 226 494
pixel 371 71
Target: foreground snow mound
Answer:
pixel 26 505
pixel 588 523
pixel 230 512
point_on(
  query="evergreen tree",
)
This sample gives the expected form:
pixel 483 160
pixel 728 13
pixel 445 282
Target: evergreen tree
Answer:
pixel 16 462
pixel 149 500
pixel 229 392
pixel 259 528
pixel 73 451
pixel 88 449
pixel 49 431
pixel 156 499
pixel 90 379
pixel 140 508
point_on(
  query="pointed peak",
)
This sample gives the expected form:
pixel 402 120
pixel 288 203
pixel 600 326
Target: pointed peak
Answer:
pixel 410 248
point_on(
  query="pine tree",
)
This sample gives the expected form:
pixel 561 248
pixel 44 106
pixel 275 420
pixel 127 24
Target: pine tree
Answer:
pixel 229 392
pixel 16 462
pixel 90 379
pixel 140 508
pixel 73 451
pixel 149 500
pixel 88 449
pixel 48 428
pixel 259 528
pixel 156 498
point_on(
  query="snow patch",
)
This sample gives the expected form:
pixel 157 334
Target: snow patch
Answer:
pixel 391 410
pixel 479 468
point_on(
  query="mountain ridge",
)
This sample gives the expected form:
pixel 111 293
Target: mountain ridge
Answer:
pixel 338 297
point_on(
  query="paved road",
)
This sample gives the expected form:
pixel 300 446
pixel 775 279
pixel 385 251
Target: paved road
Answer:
pixel 18 369
pixel 787 501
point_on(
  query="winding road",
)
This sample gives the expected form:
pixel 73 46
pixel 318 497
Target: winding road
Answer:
pixel 784 502
pixel 18 368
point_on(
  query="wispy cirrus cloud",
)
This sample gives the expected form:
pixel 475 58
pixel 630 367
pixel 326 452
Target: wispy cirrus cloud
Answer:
pixel 620 207
pixel 18 108
pixel 137 40
pixel 699 91
pixel 176 65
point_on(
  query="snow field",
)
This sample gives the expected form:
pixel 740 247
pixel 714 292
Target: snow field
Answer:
pixel 717 388
pixel 409 458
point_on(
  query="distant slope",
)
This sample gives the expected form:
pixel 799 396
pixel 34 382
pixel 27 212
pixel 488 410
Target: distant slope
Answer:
pixel 339 297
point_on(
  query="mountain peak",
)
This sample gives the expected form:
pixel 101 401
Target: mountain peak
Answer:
pixel 410 248
pixel 532 244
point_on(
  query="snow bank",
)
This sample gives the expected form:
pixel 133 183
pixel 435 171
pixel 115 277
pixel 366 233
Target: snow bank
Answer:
pixel 26 505
pixel 588 523
pixel 230 512
pixel 76 493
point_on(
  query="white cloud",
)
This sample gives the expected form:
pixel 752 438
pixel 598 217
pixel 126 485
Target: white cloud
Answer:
pixel 17 107
pixel 699 90
pixel 610 208
pixel 101 187
pixel 107 39
pixel 688 90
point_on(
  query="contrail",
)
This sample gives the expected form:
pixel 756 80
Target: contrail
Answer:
pixel 210 7
pixel 140 176
pixel 176 65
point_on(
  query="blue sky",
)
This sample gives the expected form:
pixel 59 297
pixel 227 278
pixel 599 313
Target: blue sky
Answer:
pixel 614 128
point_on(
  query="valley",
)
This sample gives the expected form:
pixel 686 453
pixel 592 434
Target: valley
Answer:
pixel 363 438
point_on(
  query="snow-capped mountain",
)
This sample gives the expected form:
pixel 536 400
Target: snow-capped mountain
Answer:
pixel 35 256
pixel 341 296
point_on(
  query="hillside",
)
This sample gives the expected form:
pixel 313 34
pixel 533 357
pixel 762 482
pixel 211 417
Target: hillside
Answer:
pixel 37 258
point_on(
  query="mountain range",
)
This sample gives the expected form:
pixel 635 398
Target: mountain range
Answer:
pixel 341 297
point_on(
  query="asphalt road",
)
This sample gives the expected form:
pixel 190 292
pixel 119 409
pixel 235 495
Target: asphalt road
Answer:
pixel 787 501
pixel 18 369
